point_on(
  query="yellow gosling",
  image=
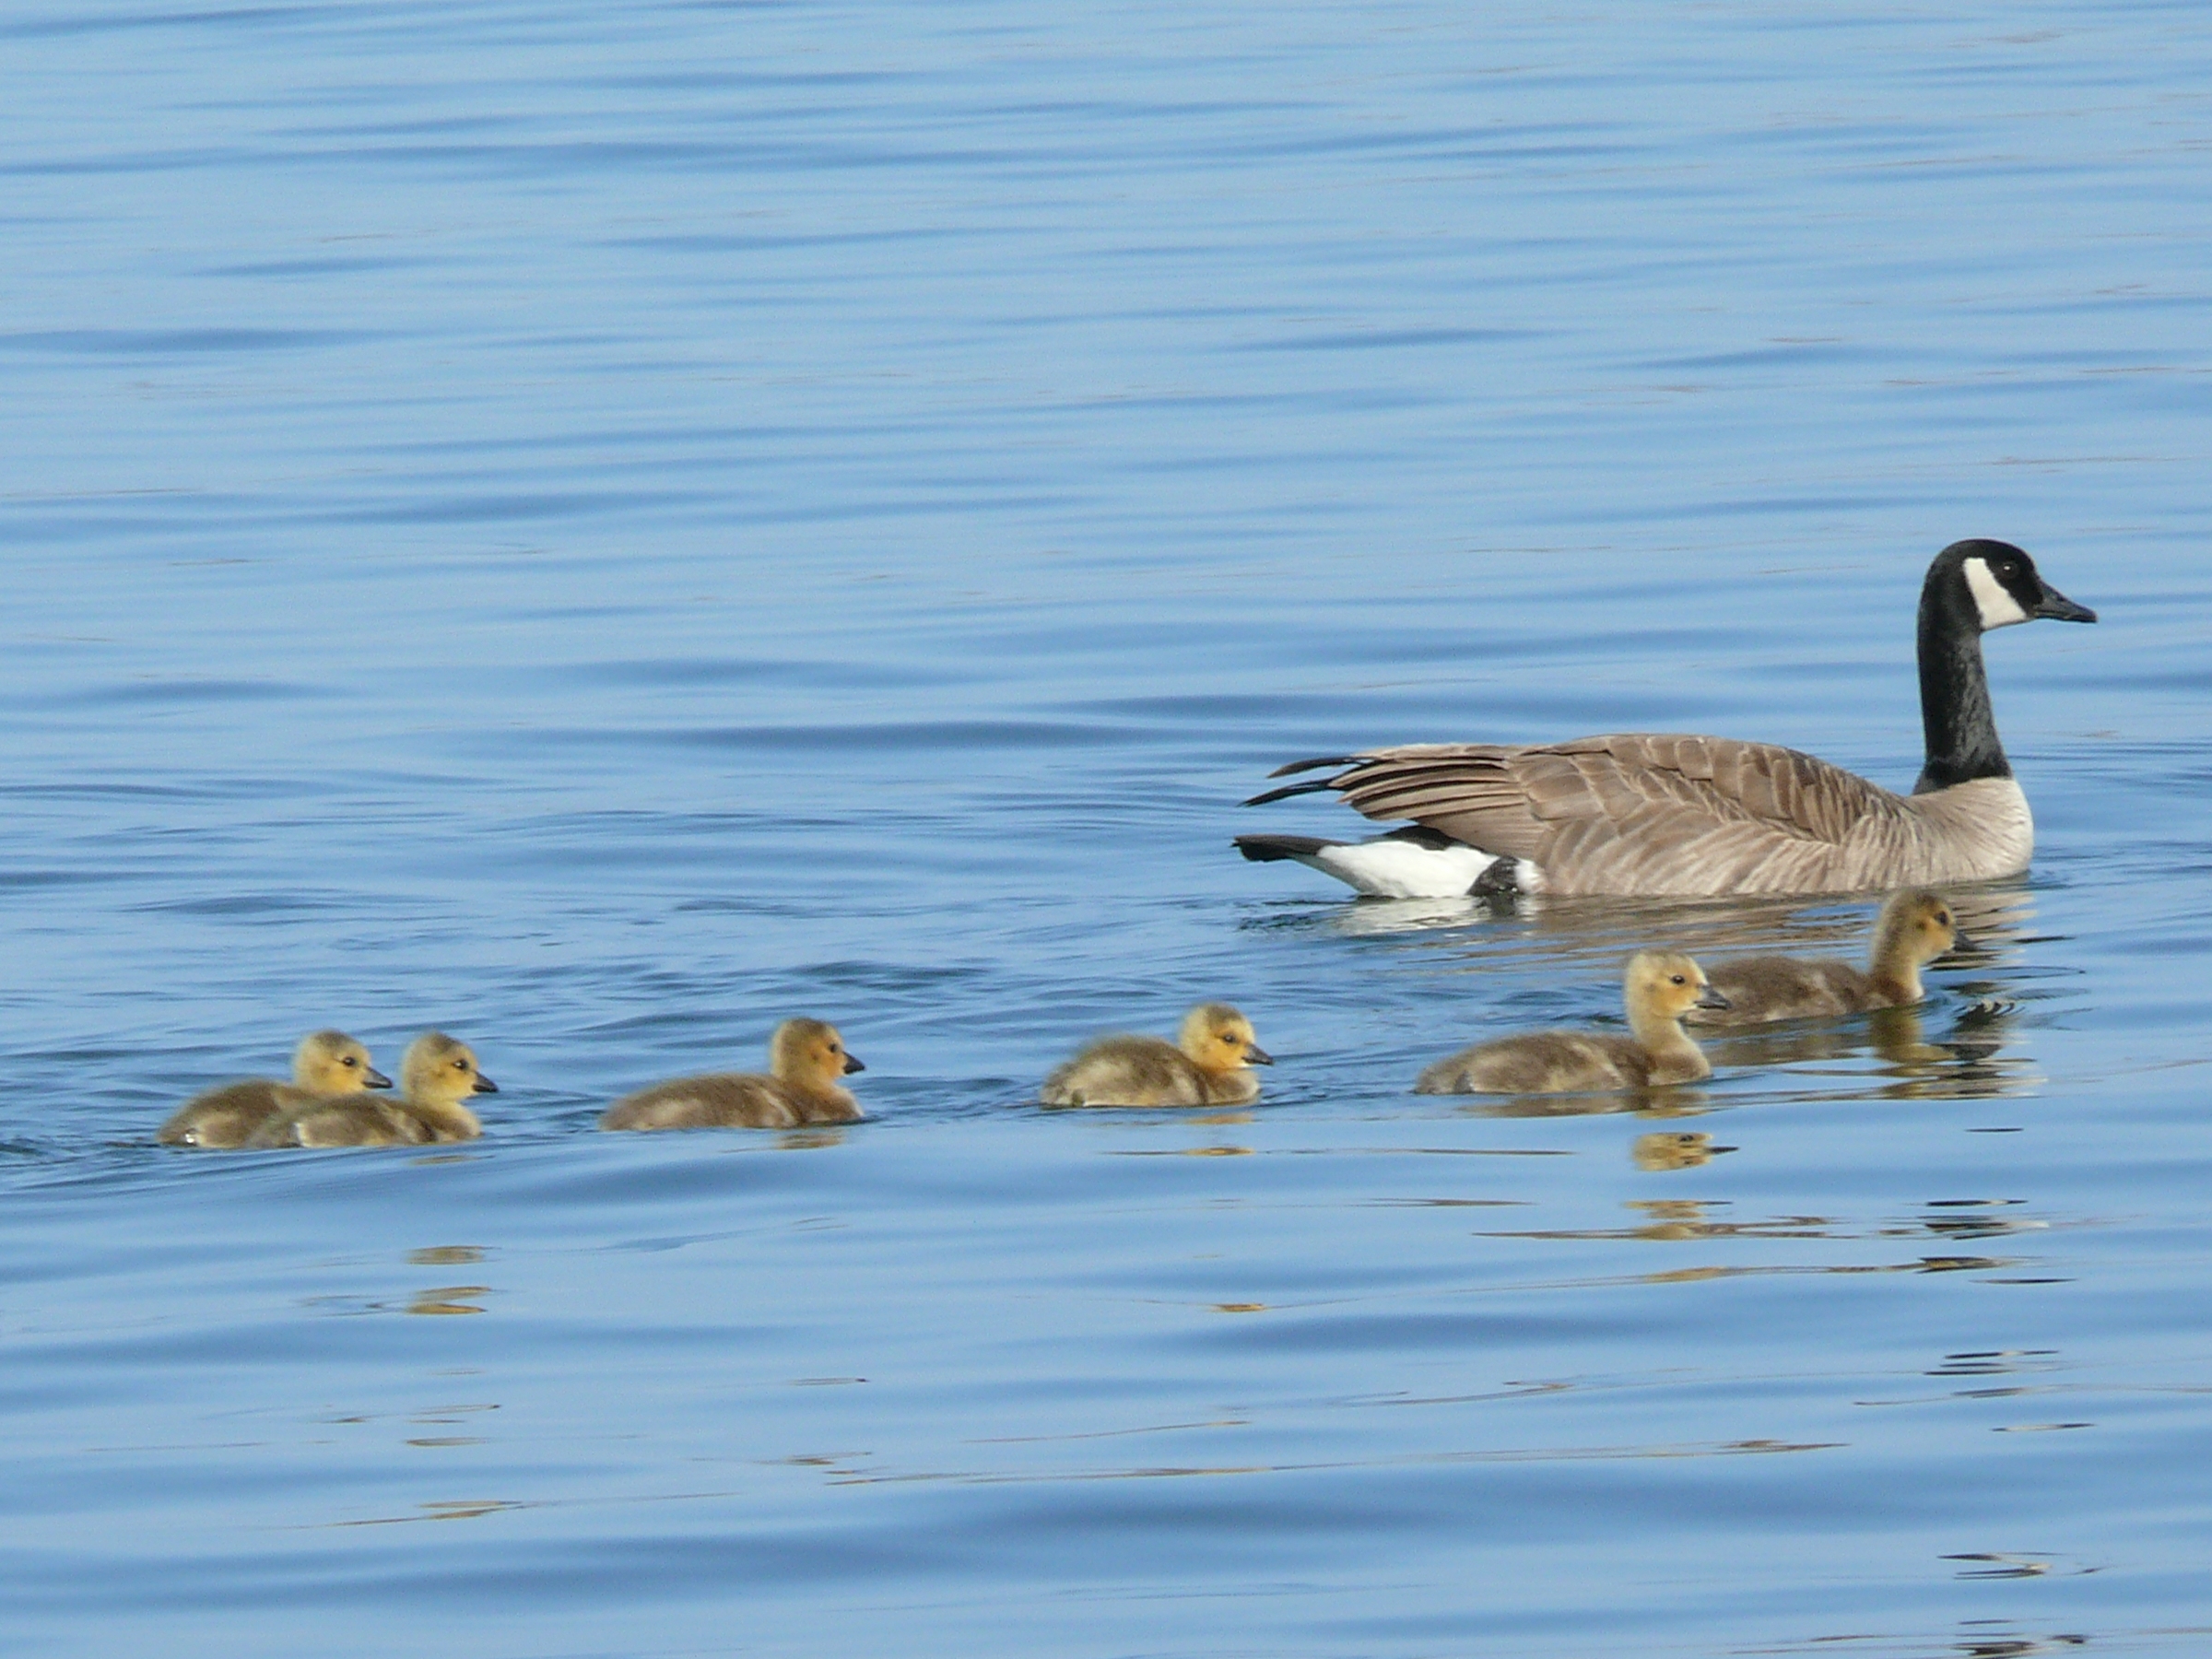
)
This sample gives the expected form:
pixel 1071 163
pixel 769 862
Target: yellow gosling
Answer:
pixel 325 1064
pixel 1210 1064
pixel 438 1074
pixel 1659 988
pixel 1915 928
pixel 805 1059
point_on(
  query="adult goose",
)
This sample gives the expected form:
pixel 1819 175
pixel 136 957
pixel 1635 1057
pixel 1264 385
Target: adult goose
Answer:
pixel 1690 817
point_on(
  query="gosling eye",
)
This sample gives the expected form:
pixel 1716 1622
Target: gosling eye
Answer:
pixel 349 1060
pixel 460 1066
pixel 1676 979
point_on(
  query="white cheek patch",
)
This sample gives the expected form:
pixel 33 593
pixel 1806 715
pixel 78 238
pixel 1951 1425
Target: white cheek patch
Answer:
pixel 1999 609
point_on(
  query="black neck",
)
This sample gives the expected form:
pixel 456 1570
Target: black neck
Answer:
pixel 1954 691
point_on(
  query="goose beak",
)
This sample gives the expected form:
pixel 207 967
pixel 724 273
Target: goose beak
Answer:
pixel 485 1085
pixel 1962 940
pixel 1711 998
pixel 2055 606
pixel 852 1065
pixel 1256 1055
pixel 372 1078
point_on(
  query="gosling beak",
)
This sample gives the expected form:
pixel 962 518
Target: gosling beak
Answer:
pixel 372 1078
pixel 852 1065
pixel 485 1085
pixel 2057 607
pixel 1710 997
pixel 1256 1055
pixel 1962 940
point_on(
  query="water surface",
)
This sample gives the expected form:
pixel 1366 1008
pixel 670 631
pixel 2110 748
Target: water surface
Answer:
pixel 598 528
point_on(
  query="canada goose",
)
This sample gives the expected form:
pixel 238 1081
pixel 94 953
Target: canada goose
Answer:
pixel 1659 987
pixel 1207 1064
pixel 325 1064
pixel 437 1074
pixel 1915 926
pixel 807 1056
pixel 1688 816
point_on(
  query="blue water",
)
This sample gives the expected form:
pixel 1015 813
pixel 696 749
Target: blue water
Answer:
pixel 598 528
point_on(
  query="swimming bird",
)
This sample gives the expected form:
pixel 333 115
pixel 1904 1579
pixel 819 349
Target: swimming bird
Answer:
pixel 1659 987
pixel 1914 927
pixel 1207 1064
pixel 436 1075
pixel 325 1064
pixel 806 1057
pixel 1670 816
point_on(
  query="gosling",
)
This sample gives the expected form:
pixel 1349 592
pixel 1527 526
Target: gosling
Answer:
pixel 806 1058
pixel 437 1074
pixel 1659 987
pixel 325 1064
pixel 1210 1064
pixel 1914 927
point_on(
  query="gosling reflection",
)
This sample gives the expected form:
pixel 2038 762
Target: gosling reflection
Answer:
pixel 1678 1220
pixel 1665 1149
pixel 1968 1063
pixel 444 1301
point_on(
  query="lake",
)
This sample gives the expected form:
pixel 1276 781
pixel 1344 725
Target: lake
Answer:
pixel 598 528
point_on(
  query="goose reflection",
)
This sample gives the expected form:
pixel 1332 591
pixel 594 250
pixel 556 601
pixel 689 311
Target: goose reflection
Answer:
pixel 1993 912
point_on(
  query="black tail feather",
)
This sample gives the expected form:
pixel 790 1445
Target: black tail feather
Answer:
pixel 1270 849
pixel 1299 766
pixel 1311 786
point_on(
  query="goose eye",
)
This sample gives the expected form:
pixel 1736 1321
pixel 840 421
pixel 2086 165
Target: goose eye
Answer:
pixel 349 1060
pixel 1676 979
pixel 460 1066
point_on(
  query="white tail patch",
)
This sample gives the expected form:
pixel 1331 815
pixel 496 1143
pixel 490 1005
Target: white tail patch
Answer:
pixel 1999 609
pixel 1388 867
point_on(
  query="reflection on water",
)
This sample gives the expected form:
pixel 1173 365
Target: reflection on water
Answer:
pixel 1802 1055
pixel 449 1299
pixel 1679 1100
pixel 1665 1150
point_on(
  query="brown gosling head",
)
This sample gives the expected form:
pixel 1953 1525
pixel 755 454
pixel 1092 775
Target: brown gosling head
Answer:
pixel 808 1053
pixel 1219 1038
pixel 1916 926
pixel 1665 984
pixel 441 1070
pixel 330 1063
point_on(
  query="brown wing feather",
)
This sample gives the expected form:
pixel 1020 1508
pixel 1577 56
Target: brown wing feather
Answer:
pixel 1635 812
